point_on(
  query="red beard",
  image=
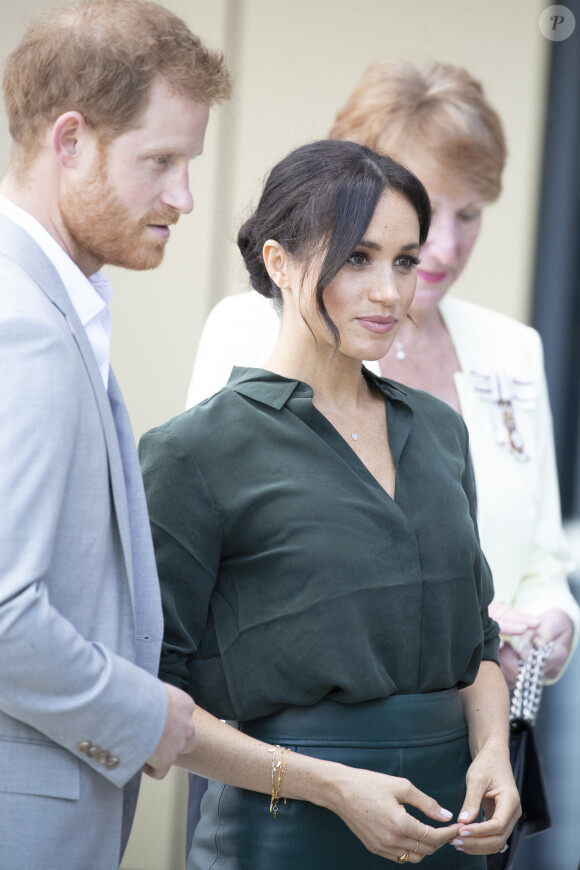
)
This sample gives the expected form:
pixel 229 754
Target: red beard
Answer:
pixel 101 225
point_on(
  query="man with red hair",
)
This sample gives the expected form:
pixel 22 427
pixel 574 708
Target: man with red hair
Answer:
pixel 108 103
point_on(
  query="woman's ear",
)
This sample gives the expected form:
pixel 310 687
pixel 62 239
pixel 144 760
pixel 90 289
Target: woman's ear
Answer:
pixel 276 262
pixel 67 133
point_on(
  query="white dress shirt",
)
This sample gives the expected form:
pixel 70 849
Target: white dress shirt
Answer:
pixel 90 297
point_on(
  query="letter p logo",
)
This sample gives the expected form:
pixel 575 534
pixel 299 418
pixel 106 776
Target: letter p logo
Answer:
pixel 557 23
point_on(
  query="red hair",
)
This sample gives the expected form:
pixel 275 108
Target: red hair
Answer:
pixel 100 58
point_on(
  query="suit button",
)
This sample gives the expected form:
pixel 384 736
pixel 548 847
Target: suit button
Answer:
pixel 94 751
pixel 112 762
pixel 102 757
pixel 84 746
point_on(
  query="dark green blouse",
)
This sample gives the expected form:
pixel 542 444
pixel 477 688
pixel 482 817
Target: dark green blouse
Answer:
pixel 289 575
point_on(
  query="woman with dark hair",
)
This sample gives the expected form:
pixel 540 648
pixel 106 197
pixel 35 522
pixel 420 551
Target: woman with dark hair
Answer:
pixel 323 584
pixel 435 118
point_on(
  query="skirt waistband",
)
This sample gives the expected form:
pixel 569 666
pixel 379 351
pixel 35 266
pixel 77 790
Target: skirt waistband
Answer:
pixel 396 721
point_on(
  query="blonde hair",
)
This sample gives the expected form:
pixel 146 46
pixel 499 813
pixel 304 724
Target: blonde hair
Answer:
pixel 100 58
pixel 437 112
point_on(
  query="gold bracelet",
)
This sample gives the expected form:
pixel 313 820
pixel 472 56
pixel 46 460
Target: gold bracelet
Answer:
pixel 278 771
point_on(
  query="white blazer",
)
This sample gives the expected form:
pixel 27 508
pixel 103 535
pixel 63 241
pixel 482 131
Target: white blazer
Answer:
pixel 518 513
pixel 501 359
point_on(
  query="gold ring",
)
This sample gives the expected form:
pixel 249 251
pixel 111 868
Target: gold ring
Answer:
pixel 403 859
pixel 425 834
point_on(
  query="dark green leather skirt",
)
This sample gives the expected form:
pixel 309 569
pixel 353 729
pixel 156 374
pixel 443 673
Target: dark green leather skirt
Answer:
pixel 420 737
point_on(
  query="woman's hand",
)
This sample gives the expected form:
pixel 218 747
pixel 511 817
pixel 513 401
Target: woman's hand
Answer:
pixel 552 625
pixel 556 626
pixel 514 623
pixel 373 807
pixel 511 620
pixel 490 784
pixel 370 803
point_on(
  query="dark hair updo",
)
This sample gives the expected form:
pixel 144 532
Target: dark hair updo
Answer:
pixel 321 199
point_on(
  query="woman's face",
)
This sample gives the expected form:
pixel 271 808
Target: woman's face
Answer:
pixel 369 297
pixel 455 224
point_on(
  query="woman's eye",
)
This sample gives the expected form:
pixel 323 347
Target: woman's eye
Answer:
pixel 467 216
pixel 359 258
pixel 407 262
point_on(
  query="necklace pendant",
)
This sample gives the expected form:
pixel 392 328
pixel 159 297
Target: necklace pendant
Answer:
pixel 354 436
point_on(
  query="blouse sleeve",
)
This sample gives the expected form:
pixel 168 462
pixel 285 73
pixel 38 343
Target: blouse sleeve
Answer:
pixel 187 535
pixel 482 573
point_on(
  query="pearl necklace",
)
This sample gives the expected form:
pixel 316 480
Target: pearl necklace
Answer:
pixel 400 352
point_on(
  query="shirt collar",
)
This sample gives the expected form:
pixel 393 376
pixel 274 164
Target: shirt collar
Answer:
pixel 89 296
pixel 274 390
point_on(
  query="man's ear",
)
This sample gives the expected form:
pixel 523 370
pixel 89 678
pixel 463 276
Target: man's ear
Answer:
pixel 276 262
pixel 67 133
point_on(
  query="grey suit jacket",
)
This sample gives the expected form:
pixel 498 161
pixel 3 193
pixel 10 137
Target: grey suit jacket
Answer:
pixel 80 617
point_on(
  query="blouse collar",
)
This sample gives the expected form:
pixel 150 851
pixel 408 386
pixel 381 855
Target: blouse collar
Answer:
pixel 274 390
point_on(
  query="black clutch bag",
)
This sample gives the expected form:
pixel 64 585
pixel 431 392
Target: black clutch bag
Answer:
pixel 524 756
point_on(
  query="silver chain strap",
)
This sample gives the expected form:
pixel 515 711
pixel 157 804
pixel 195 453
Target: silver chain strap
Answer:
pixel 530 684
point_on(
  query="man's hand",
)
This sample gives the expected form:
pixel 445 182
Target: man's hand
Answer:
pixel 178 735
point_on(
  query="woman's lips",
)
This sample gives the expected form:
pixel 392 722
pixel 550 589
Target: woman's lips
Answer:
pixel 431 277
pixel 377 323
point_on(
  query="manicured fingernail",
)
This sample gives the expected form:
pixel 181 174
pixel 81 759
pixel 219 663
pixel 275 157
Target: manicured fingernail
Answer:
pixel 445 814
pixel 457 842
pixel 464 833
pixel 462 816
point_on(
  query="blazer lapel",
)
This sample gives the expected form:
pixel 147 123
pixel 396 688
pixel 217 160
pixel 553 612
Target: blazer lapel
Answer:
pixel 147 602
pixel 471 354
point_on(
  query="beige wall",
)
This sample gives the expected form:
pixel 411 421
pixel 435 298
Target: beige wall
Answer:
pixel 294 63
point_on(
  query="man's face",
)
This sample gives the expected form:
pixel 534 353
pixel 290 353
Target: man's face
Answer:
pixel 118 209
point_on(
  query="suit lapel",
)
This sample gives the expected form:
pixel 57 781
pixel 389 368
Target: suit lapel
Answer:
pixel 18 246
pixel 469 353
pixel 144 566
